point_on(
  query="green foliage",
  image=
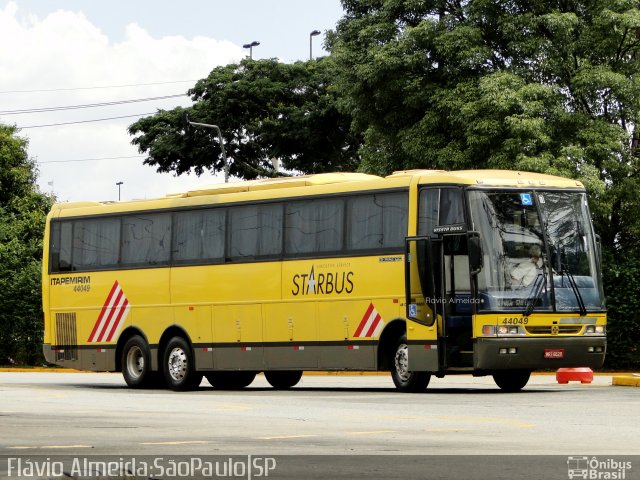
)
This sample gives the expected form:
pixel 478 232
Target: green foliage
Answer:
pixel 622 274
pixel 22 216
pixel 266 110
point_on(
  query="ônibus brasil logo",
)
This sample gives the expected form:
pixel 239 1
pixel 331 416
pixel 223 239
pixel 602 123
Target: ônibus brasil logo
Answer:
pixel 596 469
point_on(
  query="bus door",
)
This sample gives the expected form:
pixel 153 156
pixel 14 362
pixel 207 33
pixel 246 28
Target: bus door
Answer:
pixel 444 249
pixel 455 294
pixel 440 290
pixel 420 292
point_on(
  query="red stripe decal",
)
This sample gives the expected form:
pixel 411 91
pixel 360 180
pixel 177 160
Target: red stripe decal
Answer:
pixel 123 309
pixel 110 317
pixel 374 325
pixel 363 322
pixel 104 308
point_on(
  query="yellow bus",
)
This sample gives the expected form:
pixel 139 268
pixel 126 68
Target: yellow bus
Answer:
pixel 420 273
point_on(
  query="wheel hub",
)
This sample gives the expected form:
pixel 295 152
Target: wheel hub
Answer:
pixel 135 362
pixel 402 362
pixel 178 364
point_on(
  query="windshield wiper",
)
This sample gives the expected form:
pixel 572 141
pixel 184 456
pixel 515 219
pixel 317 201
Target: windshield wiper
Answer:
pixel 537 291
pixel 576 291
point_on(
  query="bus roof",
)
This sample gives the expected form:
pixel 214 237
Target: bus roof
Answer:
pixel 498 178
pixel 272 188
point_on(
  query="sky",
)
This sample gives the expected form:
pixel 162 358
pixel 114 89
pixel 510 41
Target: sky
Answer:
pixel 79 52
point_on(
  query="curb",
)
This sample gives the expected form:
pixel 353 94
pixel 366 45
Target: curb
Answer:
pixel 632 380
pixel 39 370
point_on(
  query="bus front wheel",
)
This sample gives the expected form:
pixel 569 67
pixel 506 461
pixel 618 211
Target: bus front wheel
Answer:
pixel 283 379
pixel 512 380
pixel 179 366
pixel 404 379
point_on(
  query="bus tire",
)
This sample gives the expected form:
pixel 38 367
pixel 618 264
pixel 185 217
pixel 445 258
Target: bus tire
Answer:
pixel 230 380
pixel 403 379
pixel 512 380
pixel 136 363
pixel 283 379
pixel 179 366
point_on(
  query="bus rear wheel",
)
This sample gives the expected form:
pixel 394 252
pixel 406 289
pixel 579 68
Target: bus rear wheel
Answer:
pixel 230 380
pixel 512 380
pixel 136 364
pixel 404 379
pixel 179 366
pixel 283 379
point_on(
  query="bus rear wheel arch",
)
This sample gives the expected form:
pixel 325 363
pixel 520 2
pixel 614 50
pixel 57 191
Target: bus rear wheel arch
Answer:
pixel 283 379
pixel 178 365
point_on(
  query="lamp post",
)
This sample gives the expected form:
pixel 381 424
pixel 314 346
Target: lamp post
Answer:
pixel 250 47
pixel 186 121
pixel 311 35
pixel 119 184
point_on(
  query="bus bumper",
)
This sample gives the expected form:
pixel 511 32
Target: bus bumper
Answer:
pixel 101 359
pixel 49 353
pixel 539 353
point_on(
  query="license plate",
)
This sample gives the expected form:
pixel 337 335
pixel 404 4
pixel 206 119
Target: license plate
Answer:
pixel 554 353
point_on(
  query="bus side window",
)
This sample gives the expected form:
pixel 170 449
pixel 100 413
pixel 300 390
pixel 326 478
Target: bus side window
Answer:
pixel 146 239
pixel 314 226
pixel 376 221
pixel 451 206
pixel 60 246
pixel 199 235
pixel 428 211
pixel 96 243
pixel 255 231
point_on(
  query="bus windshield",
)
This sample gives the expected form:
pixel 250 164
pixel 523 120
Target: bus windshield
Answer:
pixel 539 251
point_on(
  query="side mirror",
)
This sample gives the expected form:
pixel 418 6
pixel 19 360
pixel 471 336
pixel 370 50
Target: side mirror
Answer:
pixel 475 253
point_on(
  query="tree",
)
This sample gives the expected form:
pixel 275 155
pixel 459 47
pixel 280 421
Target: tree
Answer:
pixel 542 86
pixel 548 86
pixel 22 217
pixel 266 110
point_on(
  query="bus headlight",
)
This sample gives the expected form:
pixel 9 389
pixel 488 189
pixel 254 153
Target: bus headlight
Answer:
pixel 595 330
pixel 501 330
pixel 510 330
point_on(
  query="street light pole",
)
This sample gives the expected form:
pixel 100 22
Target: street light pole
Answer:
pixel 311 35
pixel 119 184
pixel 217 129
pixel 250 47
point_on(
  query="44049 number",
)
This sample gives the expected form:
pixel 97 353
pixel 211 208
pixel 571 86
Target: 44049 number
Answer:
pixel 81 288
pixel 514 320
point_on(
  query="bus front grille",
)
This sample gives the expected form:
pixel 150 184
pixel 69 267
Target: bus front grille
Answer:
pixel 548 330
pixel 66 336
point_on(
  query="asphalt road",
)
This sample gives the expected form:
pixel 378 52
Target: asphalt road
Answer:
pixel 95 414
